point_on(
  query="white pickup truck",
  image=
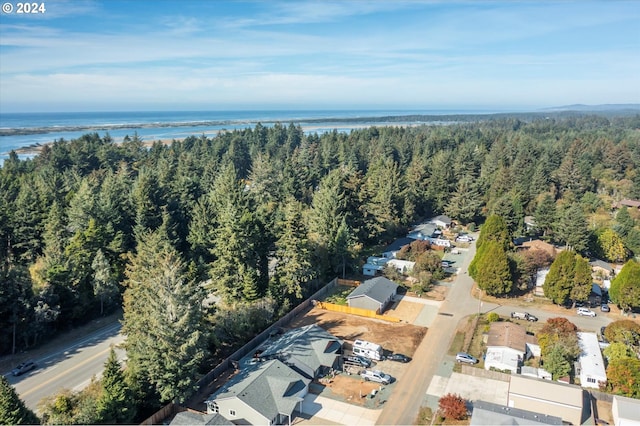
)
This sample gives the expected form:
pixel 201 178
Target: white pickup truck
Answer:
pixel 524 316
pixel 376 376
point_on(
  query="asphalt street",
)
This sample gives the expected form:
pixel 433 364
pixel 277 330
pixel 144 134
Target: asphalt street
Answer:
pixel 69 368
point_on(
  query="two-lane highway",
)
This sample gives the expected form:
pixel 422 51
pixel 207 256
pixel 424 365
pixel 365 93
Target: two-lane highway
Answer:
pixel 69 368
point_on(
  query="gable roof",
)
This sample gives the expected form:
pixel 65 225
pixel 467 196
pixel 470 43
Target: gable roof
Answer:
pixel 539 245
pixel 507 334
pixel 268 387
pixel 398 244
pixel 442 218
pixel 378 289
pixel 628 203
pixel 546 390
pixel 311 345
pixel 193 418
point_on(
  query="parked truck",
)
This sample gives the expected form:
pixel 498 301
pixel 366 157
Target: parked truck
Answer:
pixel 524 316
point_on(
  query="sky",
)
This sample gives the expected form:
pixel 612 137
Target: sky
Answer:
pixel 111 55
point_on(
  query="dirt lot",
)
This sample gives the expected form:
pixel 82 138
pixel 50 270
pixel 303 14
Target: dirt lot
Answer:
pixel 406 311
pixel 395 337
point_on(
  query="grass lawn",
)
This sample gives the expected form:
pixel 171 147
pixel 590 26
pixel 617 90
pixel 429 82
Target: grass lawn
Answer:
pixel 339 295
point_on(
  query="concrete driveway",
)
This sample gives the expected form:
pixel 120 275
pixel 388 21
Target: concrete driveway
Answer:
pixel 470 388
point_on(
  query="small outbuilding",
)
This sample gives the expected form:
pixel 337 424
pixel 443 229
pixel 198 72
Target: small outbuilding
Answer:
pixel 442 221
pixel 373 294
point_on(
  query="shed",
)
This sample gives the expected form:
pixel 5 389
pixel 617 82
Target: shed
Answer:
pixel 374 265
pixel 592 372
pixel 373 294
pixel 442 221
pixel 626 411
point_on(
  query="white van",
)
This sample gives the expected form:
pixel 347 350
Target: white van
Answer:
pixel 367 349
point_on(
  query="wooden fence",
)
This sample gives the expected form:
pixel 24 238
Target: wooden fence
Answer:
pixel 355 311
pixel 352 283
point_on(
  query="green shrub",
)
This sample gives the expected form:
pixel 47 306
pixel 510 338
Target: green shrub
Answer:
pixel 493 317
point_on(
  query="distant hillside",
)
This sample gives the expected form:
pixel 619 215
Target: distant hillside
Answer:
pixel 597 108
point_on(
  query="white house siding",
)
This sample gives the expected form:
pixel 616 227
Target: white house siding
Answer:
pixel 364 302
pixel 244 414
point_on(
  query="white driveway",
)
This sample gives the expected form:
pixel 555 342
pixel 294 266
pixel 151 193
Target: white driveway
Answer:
pixel 470 388
pixel 320 408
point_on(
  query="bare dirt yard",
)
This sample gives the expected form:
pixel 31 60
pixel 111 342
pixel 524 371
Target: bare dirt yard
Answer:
pixel 394 337
pixel 406 311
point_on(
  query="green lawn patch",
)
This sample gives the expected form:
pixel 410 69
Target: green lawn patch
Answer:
pixel 339 295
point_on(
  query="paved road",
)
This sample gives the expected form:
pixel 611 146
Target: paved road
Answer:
pixel 403 405
pixel 70 368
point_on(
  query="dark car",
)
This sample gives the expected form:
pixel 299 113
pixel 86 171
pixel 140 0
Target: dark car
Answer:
pixel 399 358
pixel 25 367
pixel 360 360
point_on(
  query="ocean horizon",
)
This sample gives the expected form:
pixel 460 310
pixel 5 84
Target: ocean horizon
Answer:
pixel 22 130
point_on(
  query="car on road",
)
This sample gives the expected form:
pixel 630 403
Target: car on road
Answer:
pixel 25 367
pixel 464 238
pixel 399 358
pixel 466 358
pixel 376 376
pixel 524 316
pixel 605 308
pixel 585 312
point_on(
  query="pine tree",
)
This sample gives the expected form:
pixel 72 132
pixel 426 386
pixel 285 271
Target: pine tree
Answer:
pixel 115 405
pixel 105 287
pixel 292 251
pixel 625 287
pixel 573 228
pixel 466 202
pixel 12 409
pixel 493 274
pixel 582 280
pixel 545 215
pixel 559 281
pixel 162 319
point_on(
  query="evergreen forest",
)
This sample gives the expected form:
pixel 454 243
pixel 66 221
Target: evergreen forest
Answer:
pixel 204 242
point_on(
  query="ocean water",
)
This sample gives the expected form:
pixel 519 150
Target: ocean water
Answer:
pixel 157 125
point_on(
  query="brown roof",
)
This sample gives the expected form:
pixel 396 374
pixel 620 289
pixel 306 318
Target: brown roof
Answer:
pixel 629 203
pixel 540 245
pixel 507 334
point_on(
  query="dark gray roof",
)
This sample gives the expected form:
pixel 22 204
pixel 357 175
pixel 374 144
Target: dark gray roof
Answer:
pixel 192 418
pixel 378 288
pixel 601 264
pixel 442 218
pixel 267 387
pixel 311 345
pixel 398 244
pixel 487 413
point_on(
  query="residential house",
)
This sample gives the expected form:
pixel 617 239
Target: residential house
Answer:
pixel 569 402
pixel 507 347
pixel 602 268
pixel 442 221
pixel 541 275
pixel 374 266
pixel 192 417
pixel 310 350
pixel 595 297
pixel 488 413
pixel 424 231
pixel 591 365
pixel 626 411
pixel 373 294
pixel 634 204
pixel 402 266
pixel 392 249
pixel 263 394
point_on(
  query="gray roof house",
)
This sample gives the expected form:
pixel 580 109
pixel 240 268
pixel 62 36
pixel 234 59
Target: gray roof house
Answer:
pixel 373 294
pixel 487 413
pixel 264 393
pixel 309 350
pixel 390 251
pixel 442 221
pixel 193 418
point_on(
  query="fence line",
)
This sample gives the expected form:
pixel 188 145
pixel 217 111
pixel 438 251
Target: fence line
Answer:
pixel 356 311
pixel 352 283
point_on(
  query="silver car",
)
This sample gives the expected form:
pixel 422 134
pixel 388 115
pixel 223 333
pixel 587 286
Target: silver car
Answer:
pixel 465 357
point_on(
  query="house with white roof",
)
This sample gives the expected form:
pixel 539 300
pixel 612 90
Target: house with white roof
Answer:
pixel 626 411
pixel 374 265
pixel 592 372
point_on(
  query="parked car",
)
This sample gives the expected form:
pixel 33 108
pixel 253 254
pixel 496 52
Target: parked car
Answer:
pixel 586 312
pixel 465 357
pixel 446 264
pixel 25 367
pixel 399 358
pixel 524 316
pixel 360 360
pixel 376 376
pixel 464 238
pixel 605 308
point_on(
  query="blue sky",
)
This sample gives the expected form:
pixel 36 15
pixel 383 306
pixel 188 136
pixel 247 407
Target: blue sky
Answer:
pixel 110 55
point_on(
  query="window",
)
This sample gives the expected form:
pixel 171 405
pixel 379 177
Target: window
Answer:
pixel 590 380
pixel 214 407
pixel 232 412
